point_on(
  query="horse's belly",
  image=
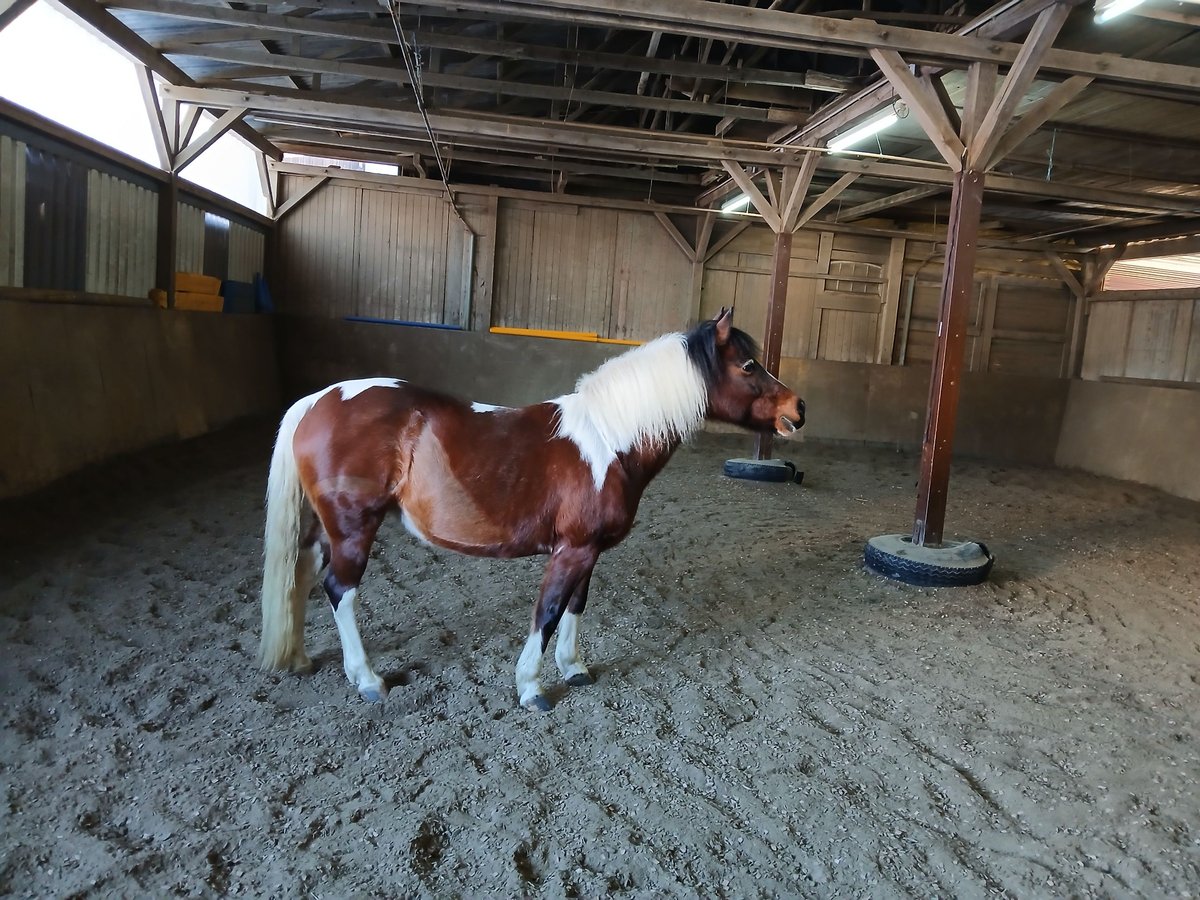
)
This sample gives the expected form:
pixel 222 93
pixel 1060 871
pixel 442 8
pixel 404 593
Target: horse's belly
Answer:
pixel 438 508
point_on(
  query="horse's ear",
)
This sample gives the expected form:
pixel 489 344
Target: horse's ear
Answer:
pixel 724 322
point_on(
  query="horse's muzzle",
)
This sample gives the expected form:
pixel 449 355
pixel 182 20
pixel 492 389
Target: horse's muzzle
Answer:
pixel 793 424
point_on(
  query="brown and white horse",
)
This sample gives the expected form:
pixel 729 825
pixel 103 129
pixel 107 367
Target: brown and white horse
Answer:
pixel 562 478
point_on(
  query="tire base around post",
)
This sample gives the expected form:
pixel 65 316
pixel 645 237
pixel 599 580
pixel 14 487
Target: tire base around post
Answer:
pixel 763 470
pixel 952 564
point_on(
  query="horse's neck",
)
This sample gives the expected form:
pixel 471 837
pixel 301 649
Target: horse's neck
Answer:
pixel 644 462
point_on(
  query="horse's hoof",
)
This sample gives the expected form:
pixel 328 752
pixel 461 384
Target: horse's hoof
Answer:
pixel 537 704
pixel 373 695
pixel 581 679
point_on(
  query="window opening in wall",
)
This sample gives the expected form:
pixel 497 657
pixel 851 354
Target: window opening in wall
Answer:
pixel 1154 273
pixel 59 69
pixel 42 53
pixel 350 165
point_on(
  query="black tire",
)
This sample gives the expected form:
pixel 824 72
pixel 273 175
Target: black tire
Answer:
pixel 952 565
pixel 760 469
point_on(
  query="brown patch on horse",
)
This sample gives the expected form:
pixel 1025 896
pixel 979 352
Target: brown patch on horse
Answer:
pixel 440 507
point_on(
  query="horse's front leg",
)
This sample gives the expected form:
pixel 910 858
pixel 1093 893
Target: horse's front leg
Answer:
pixel 568 568
pixel 566 650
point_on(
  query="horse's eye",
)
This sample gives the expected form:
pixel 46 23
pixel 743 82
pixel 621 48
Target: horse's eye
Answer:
pixel 748 366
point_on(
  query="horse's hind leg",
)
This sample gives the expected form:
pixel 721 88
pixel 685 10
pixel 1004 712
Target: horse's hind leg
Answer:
pixel 349 547
pixel 310 560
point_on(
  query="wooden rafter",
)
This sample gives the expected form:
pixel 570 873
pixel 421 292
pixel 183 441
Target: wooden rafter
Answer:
pixel 391 71
pixel 796 191
pixel 1037 116
pixel 1016 83
pixel 902 198
pixel 214 133
pixel 924 104
pixel 750 189
pixel 826 197
pixel 788 30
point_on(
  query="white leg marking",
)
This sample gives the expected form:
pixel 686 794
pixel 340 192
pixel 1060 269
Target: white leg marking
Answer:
pixel 529 664
pixel 354 657
pixel 566 651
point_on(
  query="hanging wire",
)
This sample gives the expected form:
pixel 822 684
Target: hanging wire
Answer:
pixel 1050 160
pixel 412 64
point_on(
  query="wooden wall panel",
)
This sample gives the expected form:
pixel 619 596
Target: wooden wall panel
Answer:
pixel 122 224
pixel 657 277
pixel 1191 369
pixel 608 272
pixel 189 237
pixel 403 259
pixel 1107 337
pixel 247 248
pixel 317 258
pixel 1153 350
pixel 12 212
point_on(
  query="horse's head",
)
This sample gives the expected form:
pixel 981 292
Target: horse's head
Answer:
pixel 740 390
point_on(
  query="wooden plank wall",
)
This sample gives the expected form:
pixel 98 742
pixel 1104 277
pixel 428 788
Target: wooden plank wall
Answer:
pixel 611 272
pixel 122 229
pixel 1020 320
pixel 12 212
pixel 368 249
pixel 189 236
pixel 247 249
pixel 1146 339
pixel 358 250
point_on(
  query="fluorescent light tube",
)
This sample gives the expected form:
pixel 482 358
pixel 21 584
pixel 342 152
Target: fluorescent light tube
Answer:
pixel 864 131
pixel 1115 8
pixel 736 204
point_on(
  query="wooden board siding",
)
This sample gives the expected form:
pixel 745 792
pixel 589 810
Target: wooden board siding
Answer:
pixel 189 236
pixel 609 272
pixel 12 212
pixel 1145 339
pixel 316 259
pixel 122 225
pixel 247 247
pixel 351 250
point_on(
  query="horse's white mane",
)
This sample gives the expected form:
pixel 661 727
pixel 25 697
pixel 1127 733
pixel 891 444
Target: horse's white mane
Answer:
pixel 651 394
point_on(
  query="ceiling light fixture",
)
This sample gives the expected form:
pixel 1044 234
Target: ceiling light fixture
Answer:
pixel 1115 9
pixel 862 132
pixel 736 204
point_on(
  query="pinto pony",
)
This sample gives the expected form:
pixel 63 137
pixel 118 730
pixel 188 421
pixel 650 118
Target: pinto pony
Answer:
pixel 563 478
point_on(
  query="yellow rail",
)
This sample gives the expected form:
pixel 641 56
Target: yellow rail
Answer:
pixel 588 336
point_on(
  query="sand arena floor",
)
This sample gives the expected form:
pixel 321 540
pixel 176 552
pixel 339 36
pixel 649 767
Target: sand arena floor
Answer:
pixel 769 720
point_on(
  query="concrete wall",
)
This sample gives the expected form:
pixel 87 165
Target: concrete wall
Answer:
pixel 1012 418
pixel 81 383
pixel 1003 417
pixel 1134 432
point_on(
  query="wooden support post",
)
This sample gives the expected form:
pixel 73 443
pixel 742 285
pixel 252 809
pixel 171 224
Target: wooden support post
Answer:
pixel 168 219
pixel 957 283
pixel 776 305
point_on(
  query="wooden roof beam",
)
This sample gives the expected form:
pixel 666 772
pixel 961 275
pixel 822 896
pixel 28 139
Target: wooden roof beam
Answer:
pixel 774 28
pixel 388 72
pixel 830 194
pixel 1034 51
pixel 924 104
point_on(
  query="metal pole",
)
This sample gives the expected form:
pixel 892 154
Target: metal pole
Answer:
pixel 957 288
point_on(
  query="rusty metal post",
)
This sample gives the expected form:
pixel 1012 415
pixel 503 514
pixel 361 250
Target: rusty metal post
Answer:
pixel 957 288
pixel 776 306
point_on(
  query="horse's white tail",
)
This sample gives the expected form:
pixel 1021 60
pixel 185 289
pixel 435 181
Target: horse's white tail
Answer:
pixel 281 545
